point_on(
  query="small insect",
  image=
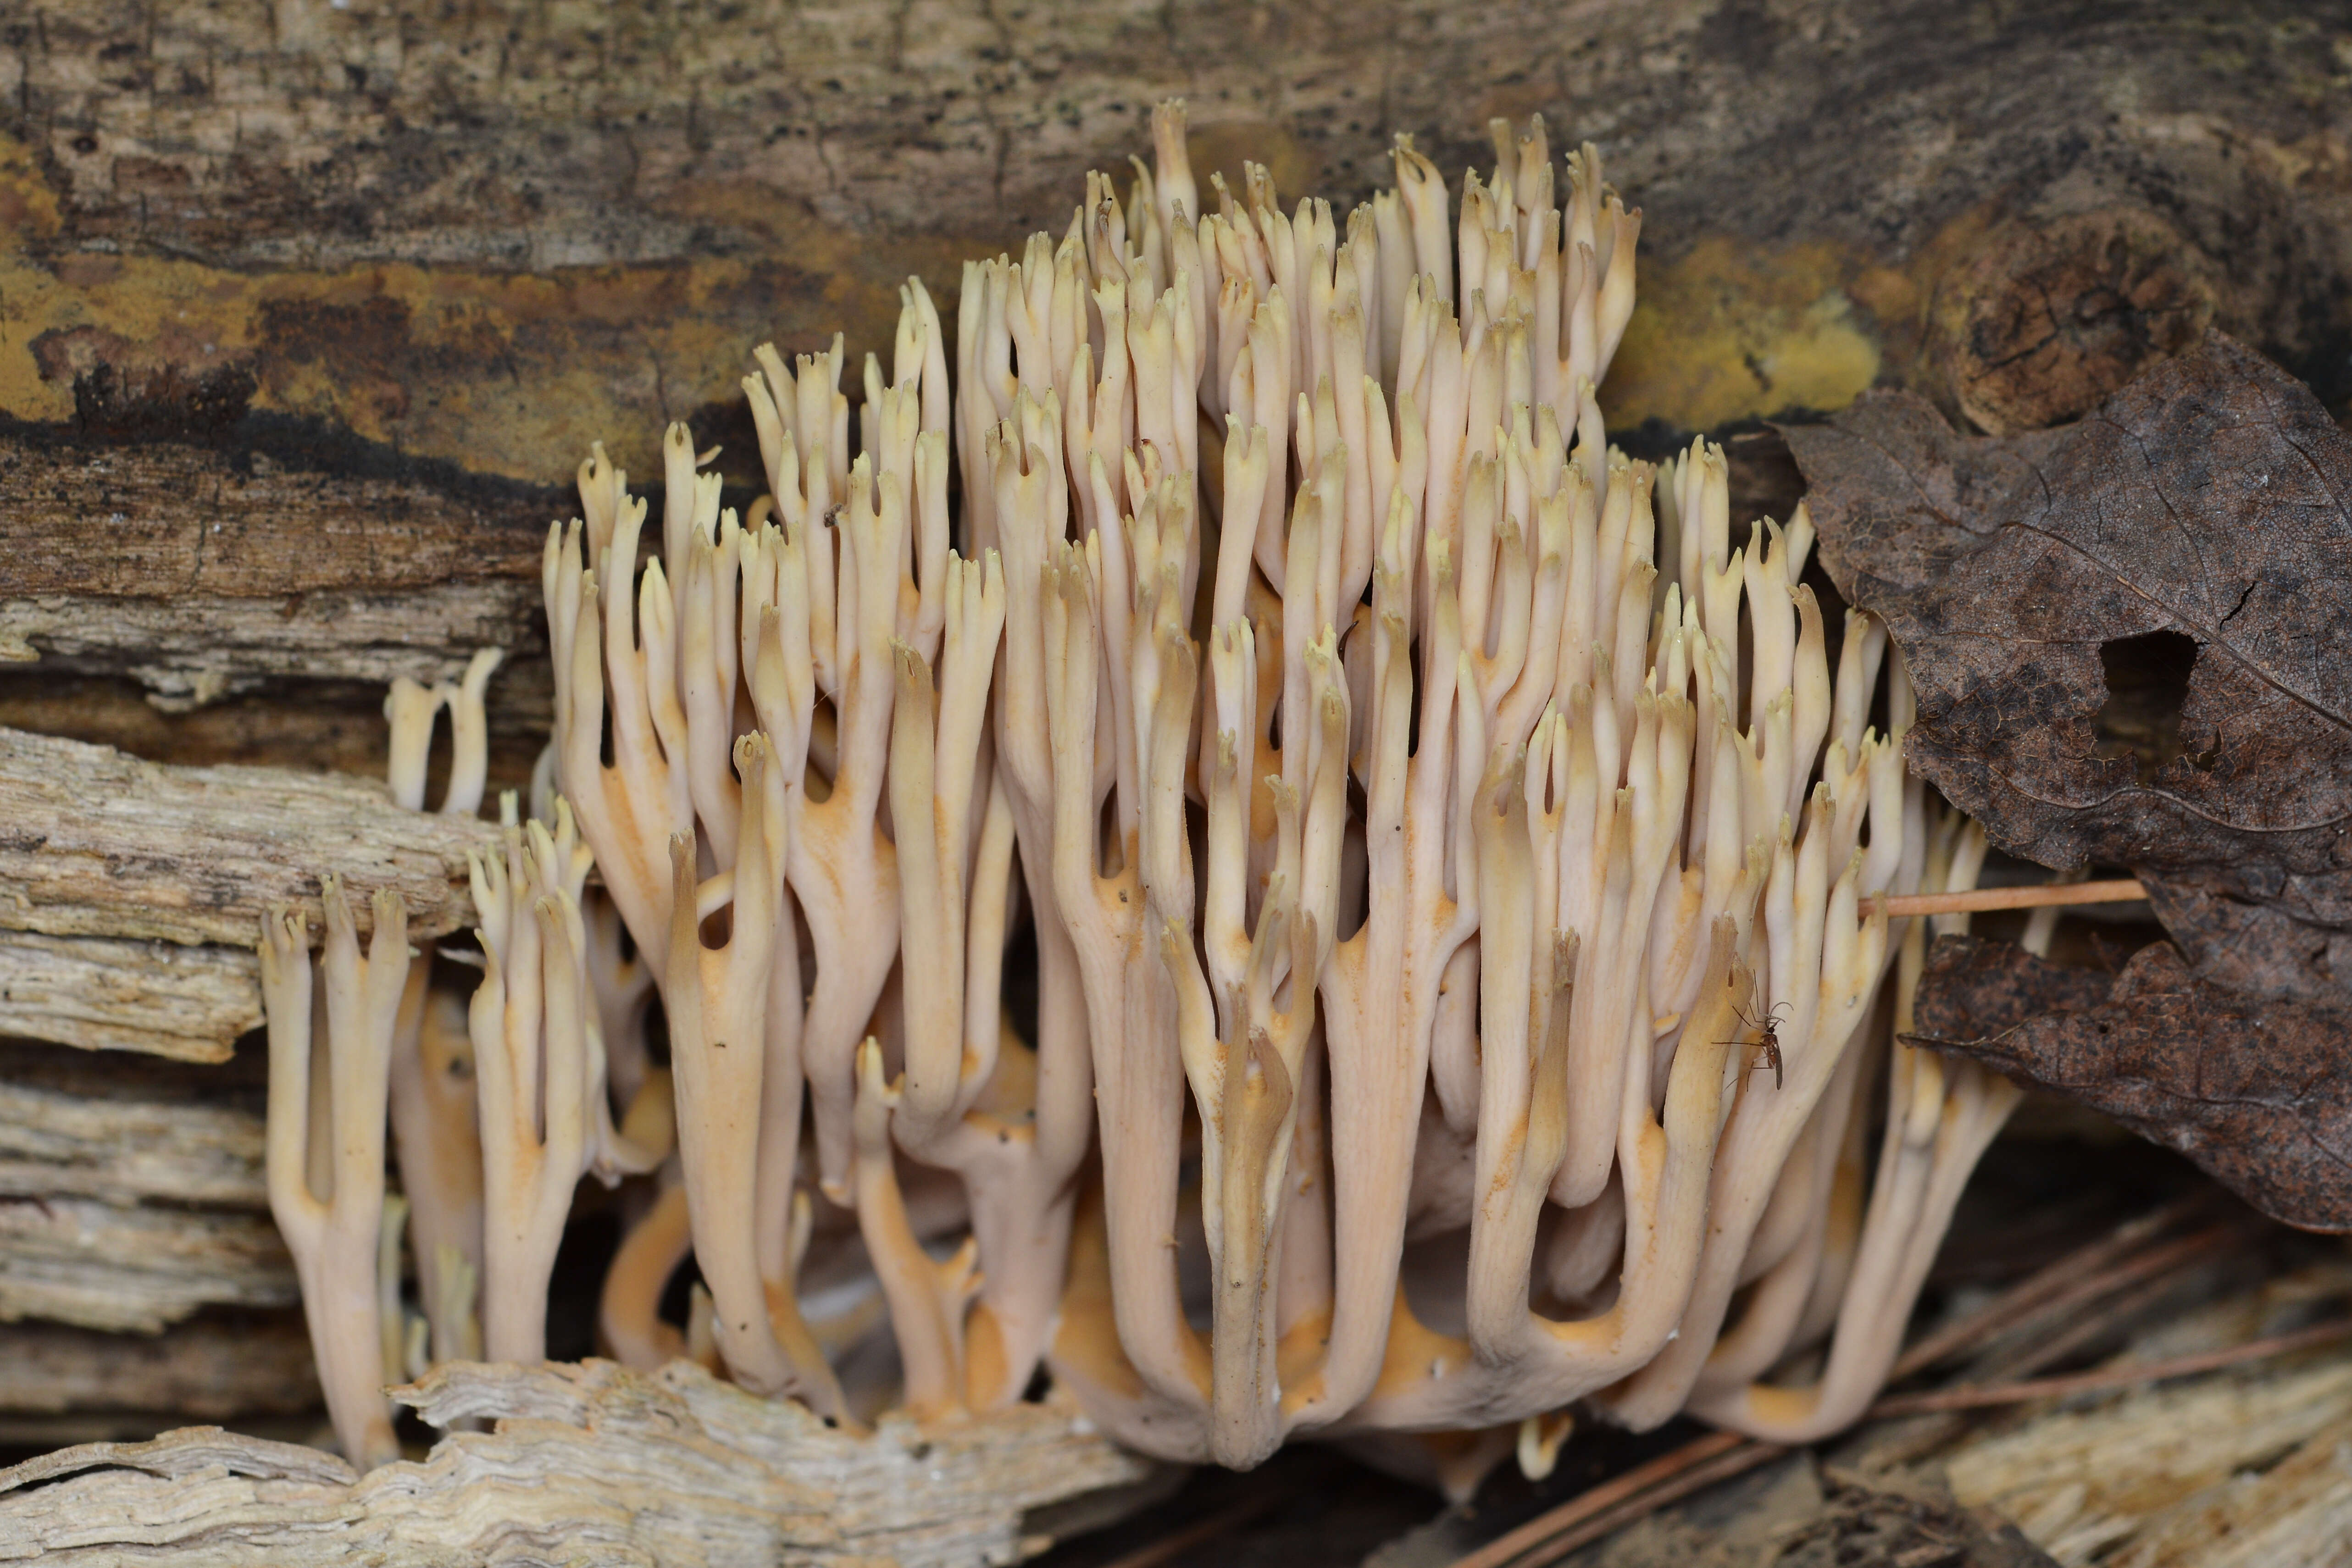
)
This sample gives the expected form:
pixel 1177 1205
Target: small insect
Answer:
pixel 1765 1052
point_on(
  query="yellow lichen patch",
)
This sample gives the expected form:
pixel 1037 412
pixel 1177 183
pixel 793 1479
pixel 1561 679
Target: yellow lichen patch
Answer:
pixel 1727 331
pixel 499 372
pixel 1222 149
pixel 28 208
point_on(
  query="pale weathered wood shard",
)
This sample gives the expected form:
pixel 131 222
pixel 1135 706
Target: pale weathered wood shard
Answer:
pixel 2162 1472
pixel 95 844
pixel 585 1464
pixel 135 1267
pixel 102 994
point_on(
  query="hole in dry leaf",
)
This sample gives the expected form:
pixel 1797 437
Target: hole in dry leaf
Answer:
pixel 2148 687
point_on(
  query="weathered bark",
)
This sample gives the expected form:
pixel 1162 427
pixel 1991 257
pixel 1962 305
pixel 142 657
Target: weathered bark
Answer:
pixel 133 1269
pixel 95 844
pixel 586 1464
pixel 160 998
pixel 129 1132
pixel 293 722
pixel 213 1367
pixel 201 573
pixel 490 238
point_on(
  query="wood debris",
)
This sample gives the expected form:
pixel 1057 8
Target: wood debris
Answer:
pixel 586 1463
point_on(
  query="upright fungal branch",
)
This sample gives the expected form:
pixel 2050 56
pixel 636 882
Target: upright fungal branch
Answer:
pixel 1246 1038
pixel 435 1137
pixel 1527 801
pixel 723 1050
pixel 540 1065
pixel 333 1226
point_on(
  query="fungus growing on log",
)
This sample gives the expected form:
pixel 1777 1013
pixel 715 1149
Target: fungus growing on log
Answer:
pixel 328 1089
pixel 1455 868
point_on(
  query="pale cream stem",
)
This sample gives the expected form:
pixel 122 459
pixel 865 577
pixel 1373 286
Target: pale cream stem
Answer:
pixel 529 1023
pixel 628 810
pixel 1379 987
pixel 1857 678
pixel 717 998
pixel 706 656
pixel 1772 636
pixel 409 709
pixel 843 866
pixel 935 753
pixel 1765 1122
pixel 1532 1363
pixel 335 1235
pixel 628 1311
pixel 1785 1261
pixel 1032 499
pixel 1614 308
pixel 1130 1008
pixel 1943 1117
pixel 392 1326
pixel 438 1146
pixel 469 735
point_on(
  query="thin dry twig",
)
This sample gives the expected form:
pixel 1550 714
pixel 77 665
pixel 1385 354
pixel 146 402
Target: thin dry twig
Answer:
pixel 1586 1507
pixel 1266 1494
pixel 2059 1279
pixel 2088 1327
pixel 1984 1396
pixel 2048 895
pixel 2163 1265
pixel 1747 1456
pixel 1174 1544
pixel 2120 1261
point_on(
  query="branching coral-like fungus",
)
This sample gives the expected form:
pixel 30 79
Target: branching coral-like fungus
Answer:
pixel 1418 810
pixel 326 1149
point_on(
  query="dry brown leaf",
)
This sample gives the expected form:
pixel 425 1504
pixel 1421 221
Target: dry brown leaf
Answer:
pixel 2132 643
pixel 2131 638
pixel 2250 1087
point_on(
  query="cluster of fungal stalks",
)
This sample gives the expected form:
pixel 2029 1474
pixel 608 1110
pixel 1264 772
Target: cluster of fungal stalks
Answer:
pixel 1445 857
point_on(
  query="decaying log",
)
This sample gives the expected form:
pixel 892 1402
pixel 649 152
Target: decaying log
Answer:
pixel 160 998
pixel 135 1267
pixel 189 651
pixel 490 238
pixel 131 1196
pixel 95 844
pixel 128 1132
pixel 585 1464
pixel 200 574
pixel 216 1367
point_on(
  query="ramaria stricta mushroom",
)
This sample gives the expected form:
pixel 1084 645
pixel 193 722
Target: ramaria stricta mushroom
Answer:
pixel 1447 867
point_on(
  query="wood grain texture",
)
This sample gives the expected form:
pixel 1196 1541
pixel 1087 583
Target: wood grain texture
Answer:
pixel 95 844
pixel 133 1269
pixel 213 1367
pixel 489 236
pixel 164 999
pixel 201 573
pixel 584 1464
pixel 129 1132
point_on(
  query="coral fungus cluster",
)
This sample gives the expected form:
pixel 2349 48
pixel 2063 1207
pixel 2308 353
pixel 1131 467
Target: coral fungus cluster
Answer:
pixel 1440 858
